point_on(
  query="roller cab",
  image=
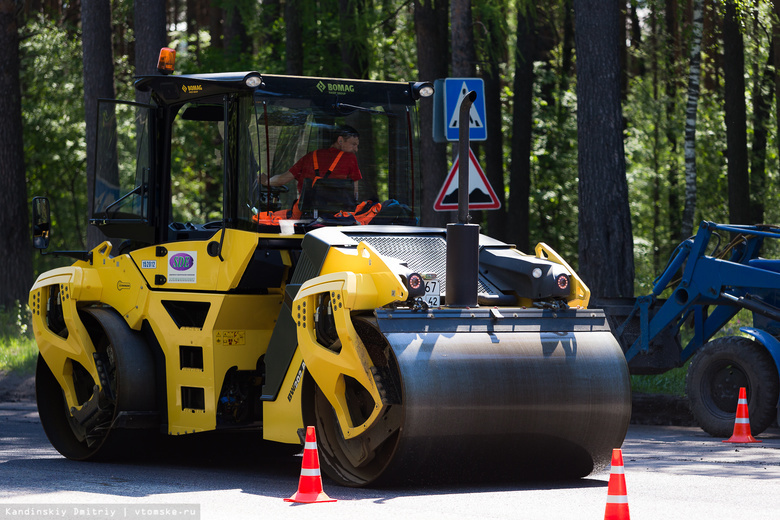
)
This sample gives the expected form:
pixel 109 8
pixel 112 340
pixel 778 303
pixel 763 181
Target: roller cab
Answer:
pixel 232 294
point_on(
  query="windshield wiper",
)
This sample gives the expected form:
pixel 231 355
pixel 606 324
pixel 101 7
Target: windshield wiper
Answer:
pixel 138 189
pixel 351 108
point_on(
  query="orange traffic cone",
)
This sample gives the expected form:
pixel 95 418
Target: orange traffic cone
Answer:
pixel 742 423
pixel 310 483
pixel 617 500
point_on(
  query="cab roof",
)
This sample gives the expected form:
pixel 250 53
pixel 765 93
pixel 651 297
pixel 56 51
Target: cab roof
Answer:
pixel 176 89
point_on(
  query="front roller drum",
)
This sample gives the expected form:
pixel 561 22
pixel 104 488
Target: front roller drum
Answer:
pixel 480 405
pixel 129 387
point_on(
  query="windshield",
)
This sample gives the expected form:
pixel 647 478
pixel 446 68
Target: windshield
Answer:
pixel 325 162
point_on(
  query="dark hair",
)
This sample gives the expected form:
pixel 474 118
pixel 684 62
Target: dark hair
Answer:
pixel 344 131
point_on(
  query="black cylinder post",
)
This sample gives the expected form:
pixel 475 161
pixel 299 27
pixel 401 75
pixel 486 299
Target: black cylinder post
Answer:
pixel 463 237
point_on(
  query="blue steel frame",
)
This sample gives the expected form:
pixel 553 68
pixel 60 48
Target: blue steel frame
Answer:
pixel 712 290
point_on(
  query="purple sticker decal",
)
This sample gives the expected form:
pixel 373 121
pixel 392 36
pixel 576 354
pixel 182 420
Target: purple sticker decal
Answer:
pixel 181 261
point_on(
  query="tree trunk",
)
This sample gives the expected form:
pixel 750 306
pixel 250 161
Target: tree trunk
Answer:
pixel 431 29
pixel 691 108
pixel 191 12
pixel 494 146
pixel 605 236
pixel 762 104
pixel 464 56
pixel 354 38
pixel 98 83
pixel 15 252
pixel 671 80
pixel 656 147
pixel 293 44
pixel 150 37
pixel 522 125
pixel 736 119
pixel 567 49
pixel 776 47
pixel 216 24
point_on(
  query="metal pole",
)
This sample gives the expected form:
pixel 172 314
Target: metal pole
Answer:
pixel 462 237
pixel 463 157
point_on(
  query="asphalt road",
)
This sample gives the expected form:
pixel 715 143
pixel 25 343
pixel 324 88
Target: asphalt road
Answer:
pixel 671 472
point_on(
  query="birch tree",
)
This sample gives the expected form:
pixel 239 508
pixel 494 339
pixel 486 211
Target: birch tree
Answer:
pixel 694 80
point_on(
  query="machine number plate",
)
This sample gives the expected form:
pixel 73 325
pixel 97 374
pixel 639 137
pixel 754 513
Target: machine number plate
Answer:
pixel 432 292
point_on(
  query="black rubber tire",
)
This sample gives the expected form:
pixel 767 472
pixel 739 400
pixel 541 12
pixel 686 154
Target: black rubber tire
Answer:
pixel 717 372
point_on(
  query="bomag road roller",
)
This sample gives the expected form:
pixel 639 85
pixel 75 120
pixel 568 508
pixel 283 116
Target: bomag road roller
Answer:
pixel 222 301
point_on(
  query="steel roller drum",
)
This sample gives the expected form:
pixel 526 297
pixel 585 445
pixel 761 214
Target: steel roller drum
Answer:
pixel 530 395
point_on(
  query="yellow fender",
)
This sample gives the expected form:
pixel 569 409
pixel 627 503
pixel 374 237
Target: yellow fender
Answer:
pixel 580 294
pixel 74 283
pixel 82 284
pixel 369 283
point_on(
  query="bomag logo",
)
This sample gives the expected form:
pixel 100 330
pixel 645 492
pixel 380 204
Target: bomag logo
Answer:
pixel 335 88
pixel 192 89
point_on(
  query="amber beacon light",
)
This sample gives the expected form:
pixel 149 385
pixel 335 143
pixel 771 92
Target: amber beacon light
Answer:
pixel 166 60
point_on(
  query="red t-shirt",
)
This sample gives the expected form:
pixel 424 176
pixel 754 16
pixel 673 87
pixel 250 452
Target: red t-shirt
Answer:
pixel 346 167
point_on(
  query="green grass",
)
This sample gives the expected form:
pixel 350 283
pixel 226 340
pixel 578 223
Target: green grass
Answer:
pixel 671 382
pixel 18 354
pixel 18 351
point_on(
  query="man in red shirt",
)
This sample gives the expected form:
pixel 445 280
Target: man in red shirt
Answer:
pixel 337 162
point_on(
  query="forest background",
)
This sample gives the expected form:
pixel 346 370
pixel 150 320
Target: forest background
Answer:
pixel 615 125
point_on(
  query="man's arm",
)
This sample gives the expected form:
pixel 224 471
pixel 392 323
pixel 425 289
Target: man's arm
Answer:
pixel 355 184
pixel 277 180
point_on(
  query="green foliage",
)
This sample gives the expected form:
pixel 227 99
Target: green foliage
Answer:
pixel 393 53
pixel 655 115
pixel 53 126
pixel 15 321
pixel 554 197
pixel 196 172
pixel 18 354
pixel 17 348
pixel 671 382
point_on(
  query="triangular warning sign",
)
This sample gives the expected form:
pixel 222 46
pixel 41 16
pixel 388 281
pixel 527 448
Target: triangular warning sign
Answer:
pixel 474 120
pixel 481 194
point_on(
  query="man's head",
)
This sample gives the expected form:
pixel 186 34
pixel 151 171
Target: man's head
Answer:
pixel 346 139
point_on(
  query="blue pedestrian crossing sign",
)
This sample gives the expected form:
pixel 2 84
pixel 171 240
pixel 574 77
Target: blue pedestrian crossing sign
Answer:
pixel 455 89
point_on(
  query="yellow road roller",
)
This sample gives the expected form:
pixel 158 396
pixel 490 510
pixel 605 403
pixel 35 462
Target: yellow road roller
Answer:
pixel 251 280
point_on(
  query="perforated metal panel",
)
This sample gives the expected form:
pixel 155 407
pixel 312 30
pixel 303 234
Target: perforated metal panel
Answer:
pixel 423 254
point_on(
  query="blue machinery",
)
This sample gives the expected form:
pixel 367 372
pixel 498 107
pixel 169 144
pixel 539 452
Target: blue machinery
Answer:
pixel 709 289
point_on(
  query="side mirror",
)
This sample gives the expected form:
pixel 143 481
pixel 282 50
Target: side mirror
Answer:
pixel 41 222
